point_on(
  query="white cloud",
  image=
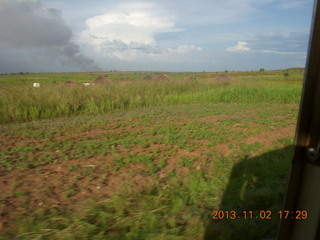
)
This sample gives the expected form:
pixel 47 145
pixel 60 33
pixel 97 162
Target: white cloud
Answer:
pixel 185 49
pixel 129 32
pixel 131 22
pixel 240 47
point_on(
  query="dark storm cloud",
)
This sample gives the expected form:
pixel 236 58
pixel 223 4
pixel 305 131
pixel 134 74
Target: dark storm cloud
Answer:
pixel 28 25
pixel 72 55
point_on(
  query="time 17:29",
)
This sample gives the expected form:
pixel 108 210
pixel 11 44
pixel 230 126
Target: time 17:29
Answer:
pixel 298 214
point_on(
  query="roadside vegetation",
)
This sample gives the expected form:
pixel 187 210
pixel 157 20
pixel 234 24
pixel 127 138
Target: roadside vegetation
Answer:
pixel 140 159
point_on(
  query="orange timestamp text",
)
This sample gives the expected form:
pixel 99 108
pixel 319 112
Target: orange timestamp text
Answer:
pixel 263 214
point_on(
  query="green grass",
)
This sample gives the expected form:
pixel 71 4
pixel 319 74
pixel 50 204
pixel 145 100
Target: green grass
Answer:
pixel 20 102
pixel 181 151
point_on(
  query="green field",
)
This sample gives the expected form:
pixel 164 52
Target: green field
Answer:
pixel 145 159
pixel 20 101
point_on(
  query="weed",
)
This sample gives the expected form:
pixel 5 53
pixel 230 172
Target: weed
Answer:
pixel 20 194
pixel 70 193
pixel 119 161
pixel 162 163
pixel 187 161
pixel 73 167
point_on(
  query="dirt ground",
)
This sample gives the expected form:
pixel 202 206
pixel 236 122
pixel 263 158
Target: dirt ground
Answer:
pixel 66 184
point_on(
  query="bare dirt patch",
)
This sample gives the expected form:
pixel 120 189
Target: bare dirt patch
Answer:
pixel 52 186
pixel 268 138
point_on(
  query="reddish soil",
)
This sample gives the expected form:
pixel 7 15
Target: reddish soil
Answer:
pixel 102 80
pixel 163 77
pixel 268 138
pixel 72 182
pixel 213 119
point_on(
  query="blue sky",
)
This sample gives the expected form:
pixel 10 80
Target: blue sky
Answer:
pixel 163 35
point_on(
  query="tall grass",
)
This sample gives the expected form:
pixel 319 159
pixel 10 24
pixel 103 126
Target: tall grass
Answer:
pixel 21 102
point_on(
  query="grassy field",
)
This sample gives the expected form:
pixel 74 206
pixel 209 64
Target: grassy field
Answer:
pixel 145 159
pixel 20 101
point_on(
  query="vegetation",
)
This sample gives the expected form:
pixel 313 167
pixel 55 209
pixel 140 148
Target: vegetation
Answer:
pixel 20 101
pixel 142 159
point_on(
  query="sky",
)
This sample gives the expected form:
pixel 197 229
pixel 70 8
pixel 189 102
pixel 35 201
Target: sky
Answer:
pixel 153 35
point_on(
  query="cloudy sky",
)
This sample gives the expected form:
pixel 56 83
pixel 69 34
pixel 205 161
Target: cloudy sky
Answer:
pixel 156 35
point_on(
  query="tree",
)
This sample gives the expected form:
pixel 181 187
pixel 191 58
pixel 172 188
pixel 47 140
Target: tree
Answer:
pixel 262 70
